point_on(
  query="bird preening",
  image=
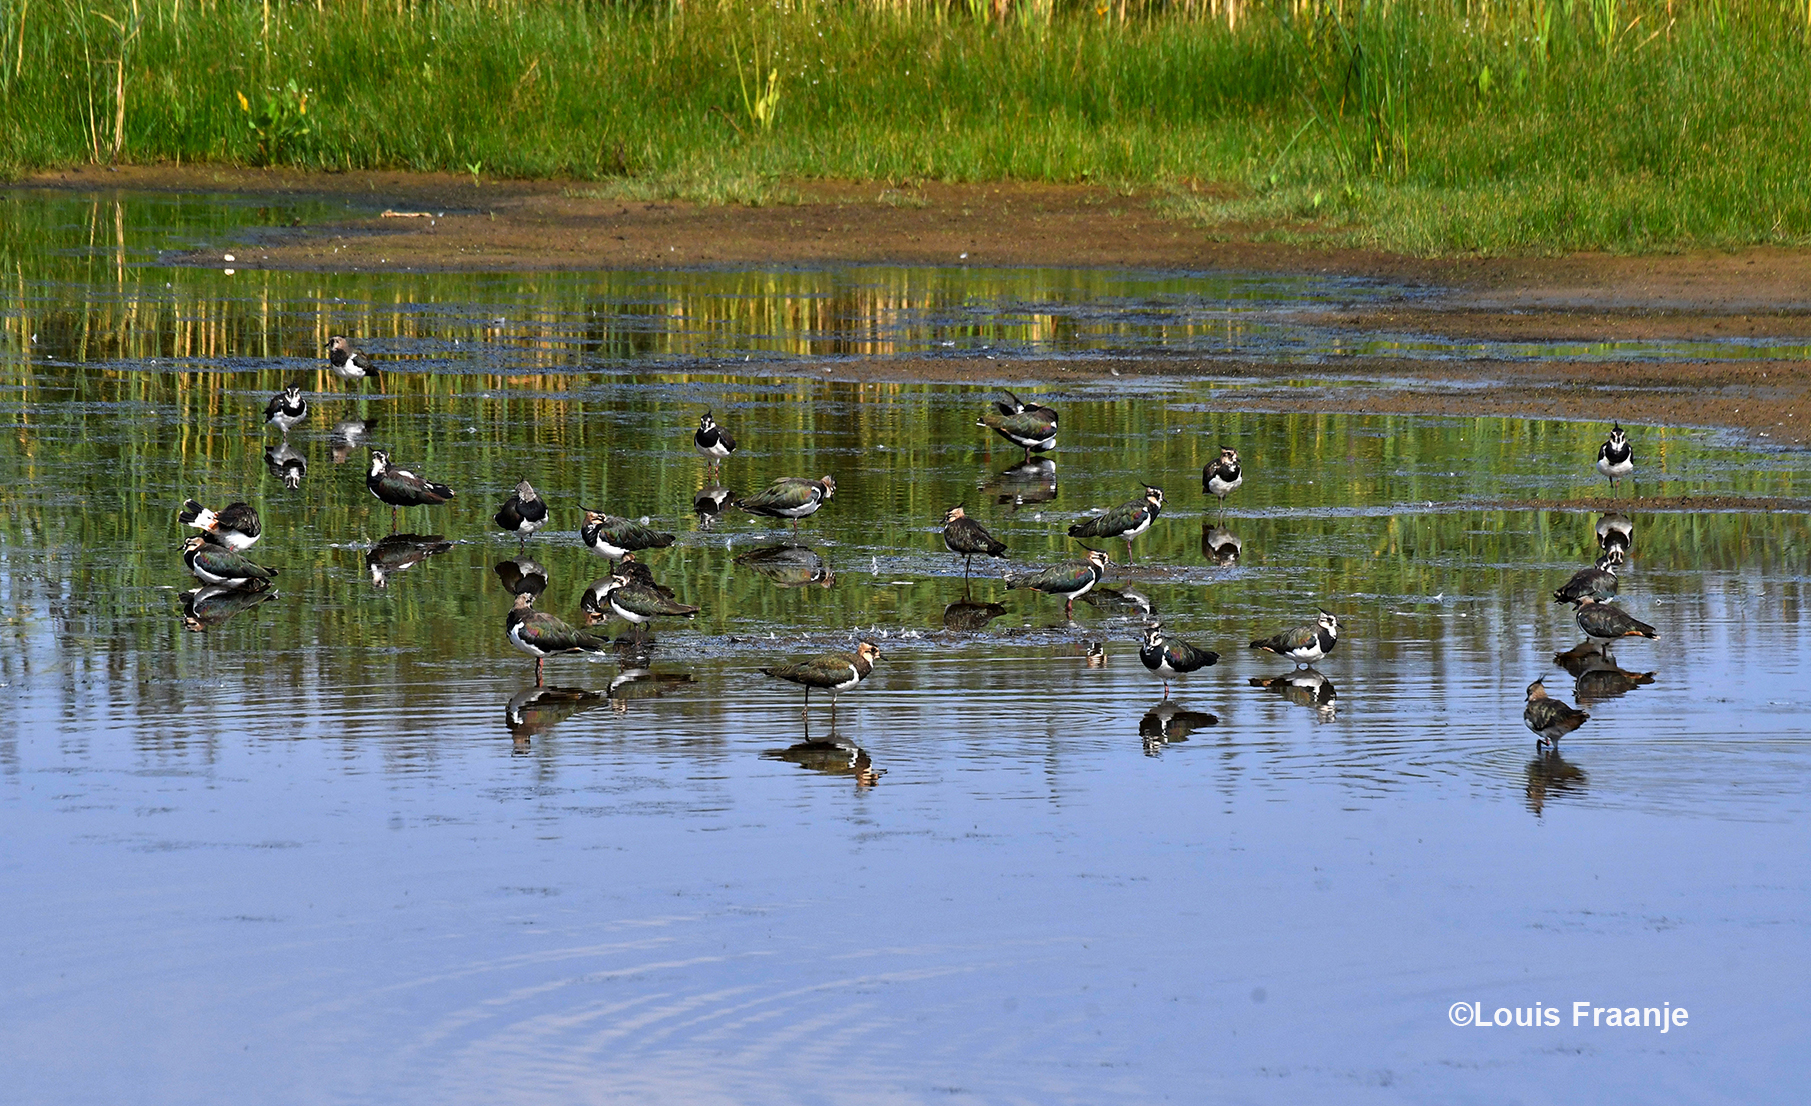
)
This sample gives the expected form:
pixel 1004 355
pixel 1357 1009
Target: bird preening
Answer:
pixel 1030 426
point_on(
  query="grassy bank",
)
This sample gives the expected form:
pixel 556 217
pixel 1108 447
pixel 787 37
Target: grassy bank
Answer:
pixel 1431 127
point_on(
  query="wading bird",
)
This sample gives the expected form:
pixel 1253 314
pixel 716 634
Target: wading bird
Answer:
pixel 832 672
pixel 1071 580
pixel 1030 426
pixel 401 488
pixel 1304 644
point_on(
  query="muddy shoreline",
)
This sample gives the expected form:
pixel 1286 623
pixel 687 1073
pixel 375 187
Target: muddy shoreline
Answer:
pixel 419 222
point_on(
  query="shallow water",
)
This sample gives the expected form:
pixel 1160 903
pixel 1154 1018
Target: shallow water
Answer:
pixel 326 849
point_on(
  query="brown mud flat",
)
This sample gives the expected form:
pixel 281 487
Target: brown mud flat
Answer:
pixel 447 223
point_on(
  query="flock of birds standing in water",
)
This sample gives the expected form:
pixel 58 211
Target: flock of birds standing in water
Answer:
pixel 232 581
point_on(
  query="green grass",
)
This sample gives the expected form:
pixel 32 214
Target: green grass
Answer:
pixel 1433 127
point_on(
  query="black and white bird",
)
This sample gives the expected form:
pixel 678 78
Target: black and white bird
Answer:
pixel 1071 580
pixel 1548 717
pixel 966 537
pixel 1605 623
pixel 1220 545
pixel 712 441
pixel 1030 426
pixel 1223 477
pixel 1597 581
pixel 790 497
pixel 523 512
pixel 1304 644
pixel 401 488
pixel 286 464
pixel 216 564
pixel 1168 658
pixel 1616 457
pixel 1128 520
pixel 286 408
pixel 542 635
pixel 613 537
pixel 235 526
pixel 349 364
pixel 708 503
pixel 832 672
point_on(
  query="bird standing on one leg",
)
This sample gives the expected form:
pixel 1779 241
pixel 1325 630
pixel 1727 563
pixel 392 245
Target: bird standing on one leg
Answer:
pixel 790 497
pixel 401 488
pixel 1616 457
pixel 712 441
pixel 1168 658
pixel 1223 477
pixel 1304 644
pixel 286 408
pixel 1128 520
pixel 1071 580
pixel 1549 718
pixel 964 535
pixel 542 635
pixel 1605 623
pixel 522 513
pixel 1030 426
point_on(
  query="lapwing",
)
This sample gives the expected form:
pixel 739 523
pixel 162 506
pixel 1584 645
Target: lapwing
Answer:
pixel 832 672
pixel 1071 580
pixel 1128 520
pixel 790 497
pixel 1616 530
pixel 539 708
pixel 1304 644
pixel 1605 623
pixel 1168 658
pixel 286 464
pixel 638 603
pixel 542 635
pixel 349 364
pixel 210 605
pixel 612 537
pixel 401 488
pixel 1223 477
pixel 1616 457
pixel 1220 545
pixel 1598 581
pixel 522 513
pixel 216 564
pixel 1125 602
pixel 712 441
pixel 965 536
pixel 1550 718
pixel 235 526
pixel 788 566
pixel 641 574
pixel 1030 426
pixel 401 552
pixel 286 408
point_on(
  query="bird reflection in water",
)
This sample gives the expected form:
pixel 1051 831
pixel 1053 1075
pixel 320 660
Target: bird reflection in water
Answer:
pixel 1304 687
pixel 1220 545
pixel 1551 775
pixel 206 607
pixel 1169 722
pixel 349 436
pixel 788 565
pixel 1121 602
pixel 286 464
pixel 708 502
pixel 1598 677
pixel 535 710
pixel 522 576
pixel 1616 530
pixel 401 552
pixel 832 756
pixel 1029 482
pixel 965 616
pixel 642 683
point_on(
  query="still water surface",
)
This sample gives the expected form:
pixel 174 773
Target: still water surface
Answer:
pixel 326 849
